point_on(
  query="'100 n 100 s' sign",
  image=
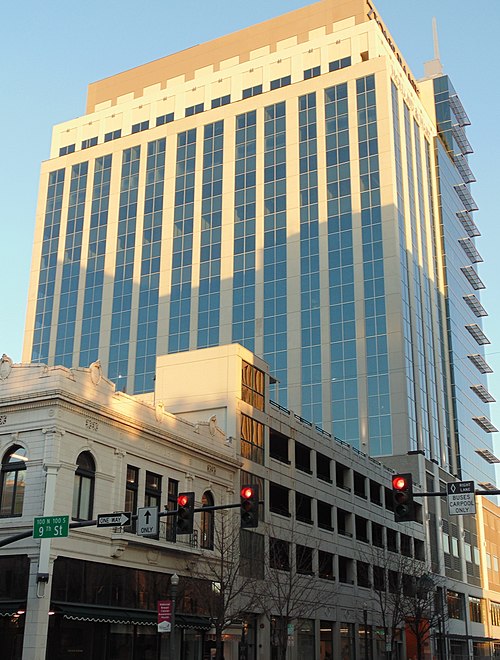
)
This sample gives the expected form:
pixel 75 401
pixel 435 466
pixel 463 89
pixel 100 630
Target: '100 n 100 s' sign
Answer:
pixel 50 527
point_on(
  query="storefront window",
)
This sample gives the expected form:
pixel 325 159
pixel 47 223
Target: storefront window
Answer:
pixel 305 639
pixel 326 640
pixel 347 647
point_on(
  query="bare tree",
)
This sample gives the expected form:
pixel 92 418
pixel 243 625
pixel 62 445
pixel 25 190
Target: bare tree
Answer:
pixel 405 593
pixel 421 603
pixel 291 590
pixel 386 593
pixel 222 584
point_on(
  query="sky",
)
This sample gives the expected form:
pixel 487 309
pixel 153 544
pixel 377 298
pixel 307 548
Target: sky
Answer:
pixel 51 51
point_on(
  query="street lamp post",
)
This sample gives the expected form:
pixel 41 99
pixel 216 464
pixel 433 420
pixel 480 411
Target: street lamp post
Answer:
pixel 174 583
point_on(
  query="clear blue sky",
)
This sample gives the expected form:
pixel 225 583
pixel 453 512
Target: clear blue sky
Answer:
pixel 50 51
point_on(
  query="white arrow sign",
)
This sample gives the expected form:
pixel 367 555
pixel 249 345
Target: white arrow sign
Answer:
pixel 114 519
pixel 147 521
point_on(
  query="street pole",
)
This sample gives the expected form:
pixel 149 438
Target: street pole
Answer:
pixel 174 582
pixel 365 623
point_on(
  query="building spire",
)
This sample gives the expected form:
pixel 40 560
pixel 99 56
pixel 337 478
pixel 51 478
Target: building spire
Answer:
pixel 434 67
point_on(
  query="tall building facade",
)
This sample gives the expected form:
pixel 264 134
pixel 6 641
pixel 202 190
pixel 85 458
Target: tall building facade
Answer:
pixel 292 188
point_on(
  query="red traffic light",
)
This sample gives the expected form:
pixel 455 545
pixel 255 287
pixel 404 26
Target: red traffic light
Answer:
pixel 249 509
pixel 402 497
pixel 185 513
pixel 399 482
pixel 247 492
pixel 182 500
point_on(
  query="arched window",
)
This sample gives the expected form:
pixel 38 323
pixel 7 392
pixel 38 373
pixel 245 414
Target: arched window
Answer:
pixel 83 490
pixel 207 522
pixel 12 482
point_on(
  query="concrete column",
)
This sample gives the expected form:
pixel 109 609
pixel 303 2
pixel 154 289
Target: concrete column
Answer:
pixel 37 614
pixel 41 563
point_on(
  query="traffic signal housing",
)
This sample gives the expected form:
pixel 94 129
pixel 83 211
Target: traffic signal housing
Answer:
pixel 249 510
pixel 185 513
pixel 402 497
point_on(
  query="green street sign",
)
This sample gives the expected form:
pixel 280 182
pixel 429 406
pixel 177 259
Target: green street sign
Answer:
pixel 50 527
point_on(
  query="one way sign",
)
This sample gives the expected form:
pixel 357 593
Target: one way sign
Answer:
pixel 147 521
pixel 114 519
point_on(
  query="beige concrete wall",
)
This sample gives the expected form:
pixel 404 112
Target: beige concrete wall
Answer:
pixel 239 45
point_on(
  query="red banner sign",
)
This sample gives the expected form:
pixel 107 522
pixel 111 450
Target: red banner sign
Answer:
pixel 164 611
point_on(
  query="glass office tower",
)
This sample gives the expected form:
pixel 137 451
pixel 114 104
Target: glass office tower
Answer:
pixel 293 188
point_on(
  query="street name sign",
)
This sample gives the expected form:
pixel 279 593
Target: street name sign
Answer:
pixel 147 521
pixel 461 498
pixel 50 527
pixel 120 519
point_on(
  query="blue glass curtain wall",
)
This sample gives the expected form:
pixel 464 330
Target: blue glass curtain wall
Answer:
pixel 149 287
pixel 124 270
pixel 48 268
pixel 211 236
pixel 70 279
pixel 94 277
pixel 310 306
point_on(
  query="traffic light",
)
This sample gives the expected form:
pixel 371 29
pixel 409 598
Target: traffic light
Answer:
pixel 185 513
pixel 402 497
pixel 249 510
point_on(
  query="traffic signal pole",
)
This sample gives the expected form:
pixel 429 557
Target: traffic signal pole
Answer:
pixel 93 523
pixel 445 494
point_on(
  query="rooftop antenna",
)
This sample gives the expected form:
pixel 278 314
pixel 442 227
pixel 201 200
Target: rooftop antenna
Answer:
pixel 435 38
pixel 434 68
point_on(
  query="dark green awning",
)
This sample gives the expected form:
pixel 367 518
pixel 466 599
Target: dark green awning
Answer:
pixel 100 614
pixel 11 607
pixel 192 621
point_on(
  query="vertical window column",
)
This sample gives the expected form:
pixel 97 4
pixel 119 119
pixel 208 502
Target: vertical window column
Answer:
pixel 341 268
pixel 211 238
pixel 48 268
pixel 124 270
pixel 311 390
pixel 275 246
pixel 405 277
pixel 94 278
pixel 71 266
pixel 417 308
pixel 182 254
pixel 244 231
pixel 147 327
pixel 377 355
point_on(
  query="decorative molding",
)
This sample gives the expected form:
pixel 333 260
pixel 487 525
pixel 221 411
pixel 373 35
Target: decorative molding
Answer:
pixel 54 430
pixel 116 551
pixel 153 556
pixel 5 367
pixel 159 411
pixel 95 370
